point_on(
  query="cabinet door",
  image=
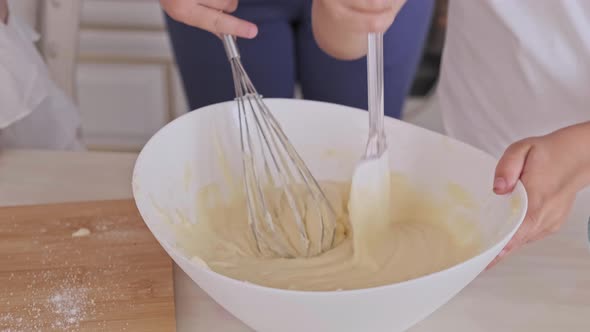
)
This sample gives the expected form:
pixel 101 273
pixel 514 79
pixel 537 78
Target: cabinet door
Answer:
pixel 127 80
pixel 123 14
pixel 122 104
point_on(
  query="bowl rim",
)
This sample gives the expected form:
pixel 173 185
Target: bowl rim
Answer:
pixel 519 190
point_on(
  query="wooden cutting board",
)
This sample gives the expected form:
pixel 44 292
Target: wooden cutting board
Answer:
pixel 82 267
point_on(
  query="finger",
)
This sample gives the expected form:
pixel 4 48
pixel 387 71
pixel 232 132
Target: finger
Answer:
pixel 513 245
pixel 510 167
pixel 498 258
pixel 542 231
pixel 493 263
pixel 376 6
pixel 534 233
pixel 222 23
pixel 538 236
pixel 365 21
pixel 228 6
pixel 214 21
pixel 519 238
pixel 371 6
pixel 539 212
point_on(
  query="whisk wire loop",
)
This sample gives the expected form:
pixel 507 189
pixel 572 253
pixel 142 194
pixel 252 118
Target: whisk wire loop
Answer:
pixel 281 191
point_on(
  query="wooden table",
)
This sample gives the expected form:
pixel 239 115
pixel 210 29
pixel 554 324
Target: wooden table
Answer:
pixel 542 288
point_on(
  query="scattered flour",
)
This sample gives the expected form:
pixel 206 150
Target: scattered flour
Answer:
pixel 81 232
pixel 70 305
pixel 63 308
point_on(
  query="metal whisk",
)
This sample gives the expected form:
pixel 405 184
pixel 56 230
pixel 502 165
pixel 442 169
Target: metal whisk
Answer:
pixel 289 214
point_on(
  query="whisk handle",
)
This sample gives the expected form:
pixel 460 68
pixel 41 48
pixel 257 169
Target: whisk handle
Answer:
pixel 231 48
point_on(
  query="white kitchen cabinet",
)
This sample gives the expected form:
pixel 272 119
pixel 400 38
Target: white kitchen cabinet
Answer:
pixel 122 105
pixel 118 45
pixel 134 14
pixel 128 85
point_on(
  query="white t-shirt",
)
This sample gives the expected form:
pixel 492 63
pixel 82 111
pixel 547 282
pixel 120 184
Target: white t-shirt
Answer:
pixel 514 69
pixel 34 112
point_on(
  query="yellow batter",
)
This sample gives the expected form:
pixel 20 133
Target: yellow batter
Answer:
pixel 425 234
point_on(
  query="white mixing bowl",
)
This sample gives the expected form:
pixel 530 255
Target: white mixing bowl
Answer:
pixel 182 158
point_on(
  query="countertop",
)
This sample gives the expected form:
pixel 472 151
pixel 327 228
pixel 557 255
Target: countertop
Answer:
pixel 544 287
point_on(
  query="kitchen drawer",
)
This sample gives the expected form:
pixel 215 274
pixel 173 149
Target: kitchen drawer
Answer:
pixel 132 14
pixel 137 45
pixel 122 104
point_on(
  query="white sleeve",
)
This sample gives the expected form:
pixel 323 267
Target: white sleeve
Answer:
pixel 23 85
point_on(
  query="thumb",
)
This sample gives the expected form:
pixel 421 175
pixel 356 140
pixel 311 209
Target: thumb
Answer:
pixel 510 166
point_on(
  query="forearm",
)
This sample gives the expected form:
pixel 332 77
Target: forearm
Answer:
pixel 334 38
pixel 576 139
pixel 3 11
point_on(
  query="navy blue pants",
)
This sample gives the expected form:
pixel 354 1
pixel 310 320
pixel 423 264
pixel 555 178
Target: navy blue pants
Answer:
pixel 285 53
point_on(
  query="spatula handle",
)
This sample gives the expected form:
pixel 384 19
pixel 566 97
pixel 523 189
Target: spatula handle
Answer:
pixel 375 88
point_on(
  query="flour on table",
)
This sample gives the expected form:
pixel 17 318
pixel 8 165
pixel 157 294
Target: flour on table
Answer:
pixel 81 232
